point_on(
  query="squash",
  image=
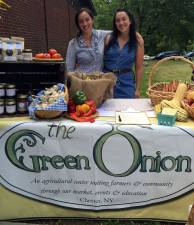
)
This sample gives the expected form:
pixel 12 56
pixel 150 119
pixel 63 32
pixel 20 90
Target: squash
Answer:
pixel 175 103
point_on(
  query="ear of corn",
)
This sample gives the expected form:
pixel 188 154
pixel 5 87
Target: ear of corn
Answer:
pixel 169 111
pixel 181 114
pixel 157 108
pixel 175 103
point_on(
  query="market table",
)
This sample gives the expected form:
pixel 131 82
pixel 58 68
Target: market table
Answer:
pixel 66 169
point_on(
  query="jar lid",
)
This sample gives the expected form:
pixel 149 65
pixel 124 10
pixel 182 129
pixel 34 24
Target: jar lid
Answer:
pixel 10 101
pixel 27 50
pixel 2 85
pixel 10 86
pixel 22 96
pixel 1 101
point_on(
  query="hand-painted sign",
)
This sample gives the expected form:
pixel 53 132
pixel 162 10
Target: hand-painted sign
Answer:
pixel 97 167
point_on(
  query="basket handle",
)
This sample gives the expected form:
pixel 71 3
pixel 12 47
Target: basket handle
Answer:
pixel 164 60
pixel 66 94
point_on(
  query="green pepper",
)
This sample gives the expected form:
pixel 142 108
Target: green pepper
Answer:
pixel 79 97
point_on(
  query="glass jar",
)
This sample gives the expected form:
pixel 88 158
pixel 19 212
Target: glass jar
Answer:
pixel 27 54
pixel 8 50
pixel 10 106
pixel 2 90
pixel 10 90
pixel 2 107
pixel 22 103
pixel 19 51
pixel 1 50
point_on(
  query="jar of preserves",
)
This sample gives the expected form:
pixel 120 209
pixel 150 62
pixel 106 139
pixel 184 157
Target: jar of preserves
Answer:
pixel 1 50
pixel 2 106
pixel 22 103
pixel 2 90
pixel 10 106
pixel 10 90
pixel 27 54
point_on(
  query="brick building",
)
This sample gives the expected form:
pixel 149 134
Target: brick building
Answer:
pixel 43 23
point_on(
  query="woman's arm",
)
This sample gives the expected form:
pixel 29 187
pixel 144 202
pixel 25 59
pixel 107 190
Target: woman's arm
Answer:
pixel 107 40
pixel 139 64
pixel 104 33
pixel 71 56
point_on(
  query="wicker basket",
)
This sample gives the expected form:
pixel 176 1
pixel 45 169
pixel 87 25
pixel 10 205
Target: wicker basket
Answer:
pixel 47 114
pixel 97 86
pixel 155 91
pixel 188 108
pixel 51 114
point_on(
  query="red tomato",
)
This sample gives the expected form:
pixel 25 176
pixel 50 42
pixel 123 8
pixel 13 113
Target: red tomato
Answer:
pixel 47 56
pixel 39 55
pixel 56 56
pixel 52 51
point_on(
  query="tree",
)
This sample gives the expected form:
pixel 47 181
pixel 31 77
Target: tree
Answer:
pixel 105 11
pixel 164 24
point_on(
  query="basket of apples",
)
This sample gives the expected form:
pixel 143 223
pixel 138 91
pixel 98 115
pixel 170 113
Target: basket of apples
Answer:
pixel 51 55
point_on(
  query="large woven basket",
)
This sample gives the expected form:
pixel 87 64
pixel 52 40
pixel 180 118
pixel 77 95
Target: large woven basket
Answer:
pixel 155 91
pixel 48 114
pixel 52 114
pixel 97 86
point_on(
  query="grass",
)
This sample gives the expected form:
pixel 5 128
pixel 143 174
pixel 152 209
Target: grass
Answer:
pixel 98 222
pixel 166 71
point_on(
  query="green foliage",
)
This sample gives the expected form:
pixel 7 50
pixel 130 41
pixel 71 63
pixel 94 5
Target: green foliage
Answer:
pixel 111 222
pixel 105 11
pixel 190 45
pixel 117 222
pixel 165 25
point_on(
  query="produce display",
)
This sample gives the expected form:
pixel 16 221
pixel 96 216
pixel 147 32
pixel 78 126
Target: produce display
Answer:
pixel 164 90
pixel 170 87
pixel 51 54
pixel 50 103
pixel 175 104
pixel 49 96
pixel 97 86
pixel 81 109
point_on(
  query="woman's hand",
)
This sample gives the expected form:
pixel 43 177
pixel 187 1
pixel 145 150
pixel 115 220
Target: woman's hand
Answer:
pixel 137 94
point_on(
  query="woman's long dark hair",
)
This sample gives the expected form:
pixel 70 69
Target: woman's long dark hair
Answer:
pixel 116 32
pixel 89 12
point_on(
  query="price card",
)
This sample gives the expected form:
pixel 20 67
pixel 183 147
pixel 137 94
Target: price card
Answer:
pixel 132 118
